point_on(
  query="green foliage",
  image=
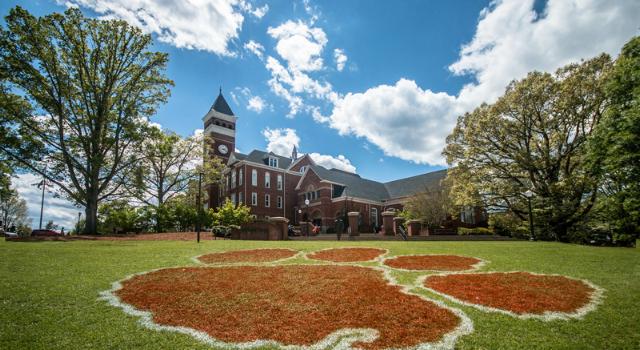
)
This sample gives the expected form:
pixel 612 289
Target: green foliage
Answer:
pixel 614 151
pixel 232 215
pixel 119 217
pixel 533 137
pixel 86 87
pixel 13 210
pixel 508 224
pixel 474 231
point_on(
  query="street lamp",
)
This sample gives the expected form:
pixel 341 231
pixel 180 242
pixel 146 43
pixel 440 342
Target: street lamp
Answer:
pixel 530 194
pixel 306 231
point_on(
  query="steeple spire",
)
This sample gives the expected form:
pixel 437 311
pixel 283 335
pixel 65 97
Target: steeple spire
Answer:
pixel 294 154
pixel 221 105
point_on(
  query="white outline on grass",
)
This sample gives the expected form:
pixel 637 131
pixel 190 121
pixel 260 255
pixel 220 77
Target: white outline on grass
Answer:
pixel 197 260
pixel 340 339
pixel 595 298
pixel 481 263
pixel 378 258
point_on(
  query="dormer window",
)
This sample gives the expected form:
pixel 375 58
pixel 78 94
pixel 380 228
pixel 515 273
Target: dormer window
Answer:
pixel 273 162
pixel 303 168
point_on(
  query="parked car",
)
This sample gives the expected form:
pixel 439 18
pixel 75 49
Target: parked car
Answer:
pixel 44 233
pixel 10 234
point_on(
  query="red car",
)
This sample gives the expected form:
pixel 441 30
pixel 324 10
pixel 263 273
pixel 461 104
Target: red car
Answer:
pixel 43 233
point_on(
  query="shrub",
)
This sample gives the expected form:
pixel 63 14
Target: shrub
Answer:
pixel 474 231
pixel 507 224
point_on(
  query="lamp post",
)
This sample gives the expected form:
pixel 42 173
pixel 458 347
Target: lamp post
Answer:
pixel 306 229
pixel 199 216
pixel 529 194
pixel 78 226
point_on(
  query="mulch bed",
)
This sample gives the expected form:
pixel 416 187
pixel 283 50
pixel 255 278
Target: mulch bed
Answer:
pixel 247 256
pixel 298 305
pixel 517 292
pixel 347 254
pixel 432 262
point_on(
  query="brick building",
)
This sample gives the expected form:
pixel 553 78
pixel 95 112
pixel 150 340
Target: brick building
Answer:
pixel 277 186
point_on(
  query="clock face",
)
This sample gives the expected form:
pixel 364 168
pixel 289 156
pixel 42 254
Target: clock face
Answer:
pixel 223 149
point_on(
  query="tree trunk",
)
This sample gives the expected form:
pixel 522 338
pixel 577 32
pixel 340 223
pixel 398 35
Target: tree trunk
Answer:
pixel 91 216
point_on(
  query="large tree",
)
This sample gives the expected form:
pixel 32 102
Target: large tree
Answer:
pixel 13 210
pixel 92 84
pixel 615 148
pixel 533 138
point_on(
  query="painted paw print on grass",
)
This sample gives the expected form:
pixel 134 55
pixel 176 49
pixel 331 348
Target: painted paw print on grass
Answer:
pixel 247 299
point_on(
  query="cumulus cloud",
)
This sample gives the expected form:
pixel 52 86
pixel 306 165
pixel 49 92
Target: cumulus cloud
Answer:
pixel 341 59
pixel 253 103
pixel 199 24
pixel 339 162
pixel 402 119
pixel 511 39
pixel 255 47
pixel 59 210
pixel 299 44
pixel 256 104
pixel 282 141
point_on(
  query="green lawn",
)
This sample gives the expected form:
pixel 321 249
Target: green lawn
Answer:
pixel 49 292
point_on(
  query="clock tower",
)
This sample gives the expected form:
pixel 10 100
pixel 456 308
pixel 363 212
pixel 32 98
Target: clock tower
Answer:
pixel 219 126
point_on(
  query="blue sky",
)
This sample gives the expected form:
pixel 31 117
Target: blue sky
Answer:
pixel 411 67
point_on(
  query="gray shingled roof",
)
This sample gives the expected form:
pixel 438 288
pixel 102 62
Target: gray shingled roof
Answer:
pixel 221 105
pixel 262 157
pixel 356 186
pixel 411 185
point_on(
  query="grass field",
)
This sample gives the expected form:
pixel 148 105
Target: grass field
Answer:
pixel 49 292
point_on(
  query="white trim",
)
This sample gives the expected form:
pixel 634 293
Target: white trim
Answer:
pixel 594 299
pixel 299 159
pixel 220 130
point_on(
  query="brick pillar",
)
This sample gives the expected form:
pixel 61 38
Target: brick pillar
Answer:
pixel 283 225
pixel 397 221
pixel 304 228
pixel 387 223
pixel 353 223
pixel 414 227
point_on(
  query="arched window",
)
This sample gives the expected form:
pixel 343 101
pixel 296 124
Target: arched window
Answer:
pixel 240 177
pixel 254 177
pixel 279 182
pixel 267 180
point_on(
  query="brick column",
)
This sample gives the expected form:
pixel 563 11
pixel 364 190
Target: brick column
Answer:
pixel 397 221
pixel 353 223
pixel 387 223
pixel 414 227
pixel 283 225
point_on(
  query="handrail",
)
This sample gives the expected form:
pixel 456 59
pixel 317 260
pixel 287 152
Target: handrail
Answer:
pixel 403 233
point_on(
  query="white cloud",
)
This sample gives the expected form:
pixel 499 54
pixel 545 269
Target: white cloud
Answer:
pixel 257 12
pixel 299 45
pixel 253 103
pixel 59 210
pixel 339 162
pixel 511 40
pixel 403 120
pixel 197 24
pixel 340 58
pixel 255 47
pixel 256 104
pixel 282 141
